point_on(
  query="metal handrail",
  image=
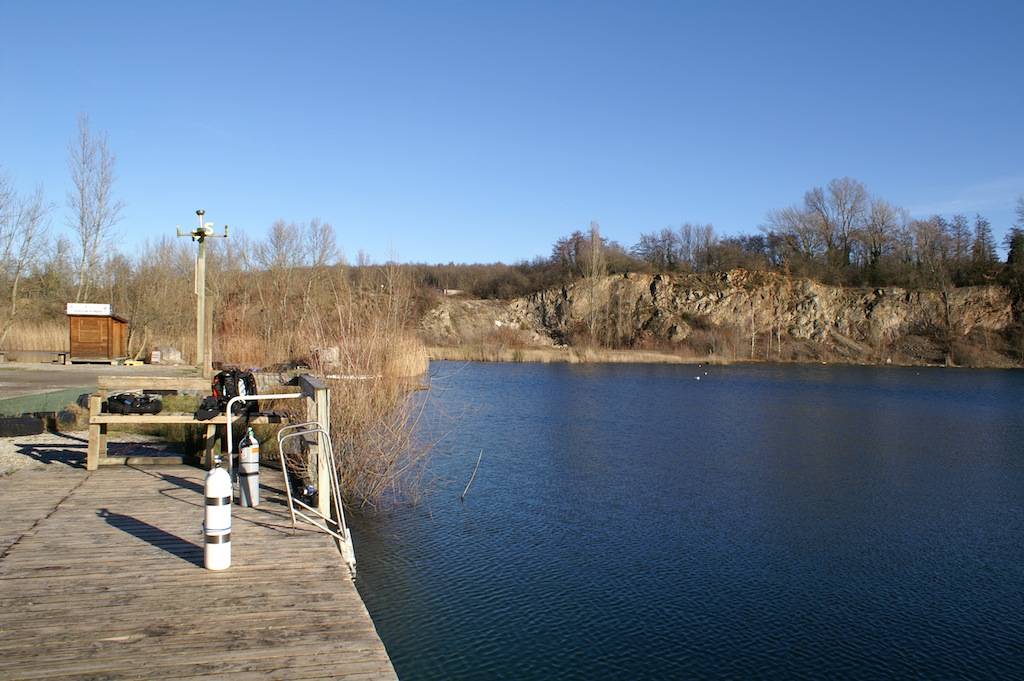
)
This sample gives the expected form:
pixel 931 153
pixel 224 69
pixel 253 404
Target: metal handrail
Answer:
pixel 280 452
pixel 342 534
pixel 248 398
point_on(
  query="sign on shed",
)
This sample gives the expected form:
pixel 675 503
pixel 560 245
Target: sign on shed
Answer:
pixel 89 309
pixel 95 333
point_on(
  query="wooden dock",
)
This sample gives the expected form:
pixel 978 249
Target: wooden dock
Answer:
pixel 101 577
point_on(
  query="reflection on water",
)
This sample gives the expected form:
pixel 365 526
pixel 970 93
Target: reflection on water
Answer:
pixel 632 522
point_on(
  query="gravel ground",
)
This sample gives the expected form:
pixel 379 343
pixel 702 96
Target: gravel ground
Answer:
pixel 62 451
pixel 21 378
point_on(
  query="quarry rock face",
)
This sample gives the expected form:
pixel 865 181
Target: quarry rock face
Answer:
pixel 860 324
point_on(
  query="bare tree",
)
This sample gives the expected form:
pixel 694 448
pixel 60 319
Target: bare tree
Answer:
pixel 705 240
pixel 960 239
pixel 94 210
pixel 22 227
pixel 662 249
pixel 322 244
pixel 839 214
pixel 798 231
pixel 933 246
pixel 983 248
pixel 595 272
pixel 879 234
pixel 568 254
pixel 931 243
pixel 687 243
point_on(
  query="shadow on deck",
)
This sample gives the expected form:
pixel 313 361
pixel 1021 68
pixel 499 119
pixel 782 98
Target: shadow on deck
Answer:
pixel 101 577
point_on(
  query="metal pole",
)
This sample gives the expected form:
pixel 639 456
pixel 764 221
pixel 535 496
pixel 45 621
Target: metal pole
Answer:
pixel 201 307
pixel 204 340
pixel 201 301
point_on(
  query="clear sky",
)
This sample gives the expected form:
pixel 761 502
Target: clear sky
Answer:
pixel 482 131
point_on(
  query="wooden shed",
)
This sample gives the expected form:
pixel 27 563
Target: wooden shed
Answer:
pixel 96 335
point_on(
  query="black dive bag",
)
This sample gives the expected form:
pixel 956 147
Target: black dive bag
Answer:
pixel 132 403
pixel 232 383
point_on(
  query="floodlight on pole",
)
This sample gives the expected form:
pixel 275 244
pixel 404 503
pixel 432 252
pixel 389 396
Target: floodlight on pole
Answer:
pixel 200 234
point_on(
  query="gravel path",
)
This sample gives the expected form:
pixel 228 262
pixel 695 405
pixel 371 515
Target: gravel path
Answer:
pixel 67 450
pixel 19 378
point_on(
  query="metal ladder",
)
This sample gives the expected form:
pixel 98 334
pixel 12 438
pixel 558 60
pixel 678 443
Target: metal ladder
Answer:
pixel 336 527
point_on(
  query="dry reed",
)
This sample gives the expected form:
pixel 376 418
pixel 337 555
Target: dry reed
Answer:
pixel 371 358
pixel 282 301
pixel 39 336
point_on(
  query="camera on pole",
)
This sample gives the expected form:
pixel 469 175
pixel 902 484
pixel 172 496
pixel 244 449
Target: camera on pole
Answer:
pixel 200 234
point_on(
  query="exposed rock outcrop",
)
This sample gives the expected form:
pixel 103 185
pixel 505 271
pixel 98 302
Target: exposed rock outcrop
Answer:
pixel 743 313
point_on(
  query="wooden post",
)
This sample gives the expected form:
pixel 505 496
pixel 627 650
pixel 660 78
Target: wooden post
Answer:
pixel 322 400
pixel 92 460
pixel 208 352
pixel 318 408
pixel 209 441
pixel 201 303
pixel 103 443
pixel 313 451
pixel 199 235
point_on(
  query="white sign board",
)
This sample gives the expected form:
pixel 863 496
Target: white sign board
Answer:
pixel 91 309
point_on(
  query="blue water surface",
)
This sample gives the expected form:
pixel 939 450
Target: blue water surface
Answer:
pixel 633 522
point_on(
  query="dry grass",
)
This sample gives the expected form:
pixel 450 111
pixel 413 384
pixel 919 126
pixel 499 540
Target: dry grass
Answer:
pixel 373 425
pixel 242 350
pixel 53 336
pixel 269 311
pixel 369 355
pixel 570 355
pixel 40 336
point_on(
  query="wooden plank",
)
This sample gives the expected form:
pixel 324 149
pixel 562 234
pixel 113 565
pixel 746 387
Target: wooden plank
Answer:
pixel 308 384
pixel 179 418
pixel 318 667
pixel 135 383
pixel 129 383
pixel 210 447
pixel 324 464
pixel 92 457
pixel 101 438
pixel 142 460
pixel 102 579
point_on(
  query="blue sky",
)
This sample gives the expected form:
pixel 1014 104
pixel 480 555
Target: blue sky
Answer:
pixel 482 131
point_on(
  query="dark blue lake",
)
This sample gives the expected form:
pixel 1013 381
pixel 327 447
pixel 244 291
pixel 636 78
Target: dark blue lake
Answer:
pixel 632 522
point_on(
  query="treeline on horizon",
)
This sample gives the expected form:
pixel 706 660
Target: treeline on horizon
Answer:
pixel 269 288
pixel 839 234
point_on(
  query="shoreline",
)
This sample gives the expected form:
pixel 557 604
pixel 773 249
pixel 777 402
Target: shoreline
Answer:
pixel 572 355
pixel 563 355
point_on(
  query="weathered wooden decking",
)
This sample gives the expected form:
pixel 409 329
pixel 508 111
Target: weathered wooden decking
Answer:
pixel 101 577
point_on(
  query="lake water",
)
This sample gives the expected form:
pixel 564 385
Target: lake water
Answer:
pixel 632 522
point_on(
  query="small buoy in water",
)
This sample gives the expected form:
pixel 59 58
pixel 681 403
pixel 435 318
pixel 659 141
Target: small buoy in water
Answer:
pixel 697 377
pixel 705 373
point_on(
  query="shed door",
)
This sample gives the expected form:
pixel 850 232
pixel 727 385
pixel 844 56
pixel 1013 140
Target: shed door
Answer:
pixel 119 334
pixel 89 337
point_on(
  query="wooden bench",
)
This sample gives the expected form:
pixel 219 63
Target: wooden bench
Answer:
pixel 54 356
pixel 129 383
pixel 98 423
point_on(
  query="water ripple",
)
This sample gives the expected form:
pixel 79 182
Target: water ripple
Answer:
pixel 774 522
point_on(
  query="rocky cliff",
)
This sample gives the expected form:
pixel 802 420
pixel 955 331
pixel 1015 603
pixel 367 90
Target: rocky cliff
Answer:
pixel 740 314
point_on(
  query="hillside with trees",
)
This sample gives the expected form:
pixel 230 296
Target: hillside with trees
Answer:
pixel 282 298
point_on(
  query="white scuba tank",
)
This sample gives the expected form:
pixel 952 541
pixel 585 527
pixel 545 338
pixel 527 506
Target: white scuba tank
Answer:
pixel 249 470
pixel 217 521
